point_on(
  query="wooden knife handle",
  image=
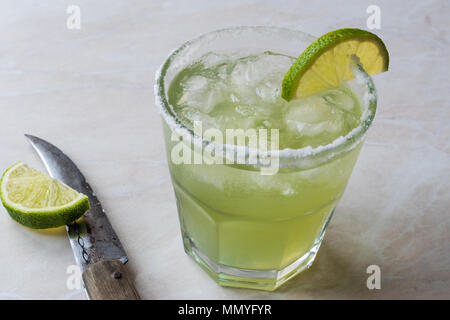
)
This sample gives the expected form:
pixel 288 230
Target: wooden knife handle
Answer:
pixel 109 280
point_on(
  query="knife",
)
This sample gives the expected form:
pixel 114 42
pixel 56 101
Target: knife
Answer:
pixel 96 246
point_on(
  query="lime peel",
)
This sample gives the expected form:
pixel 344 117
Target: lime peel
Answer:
pixel 24 183
pixel 324 64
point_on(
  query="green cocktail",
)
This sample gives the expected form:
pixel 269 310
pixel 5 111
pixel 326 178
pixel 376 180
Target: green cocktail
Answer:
pixel 245 228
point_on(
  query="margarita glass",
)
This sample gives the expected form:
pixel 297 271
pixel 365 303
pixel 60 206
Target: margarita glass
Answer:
pixel 245 228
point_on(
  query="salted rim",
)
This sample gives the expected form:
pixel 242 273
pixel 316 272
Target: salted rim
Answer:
pixel 339 145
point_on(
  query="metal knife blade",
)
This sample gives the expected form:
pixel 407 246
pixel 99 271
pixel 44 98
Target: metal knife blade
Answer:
pixel 93 238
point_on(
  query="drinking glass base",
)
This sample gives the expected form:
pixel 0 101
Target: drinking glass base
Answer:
pixel 268 280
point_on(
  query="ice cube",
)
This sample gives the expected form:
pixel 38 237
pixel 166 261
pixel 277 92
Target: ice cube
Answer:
pixel 212 59
pixel 267 124
pixel 314 129
pixel 202 93
pixel 190 115
pixel 270 65
pixel 267 91
pixel 195 83
pixel 314 116
pixel 246 110
pixel 339 99
pixel 310 110
pixel 222 72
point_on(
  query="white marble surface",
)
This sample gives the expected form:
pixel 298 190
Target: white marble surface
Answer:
pixel 89 91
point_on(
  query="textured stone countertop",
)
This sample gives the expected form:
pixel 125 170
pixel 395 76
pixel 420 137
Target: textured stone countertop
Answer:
pixel 90 91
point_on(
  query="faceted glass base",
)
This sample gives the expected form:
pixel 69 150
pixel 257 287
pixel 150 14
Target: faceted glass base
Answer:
pixel 253 279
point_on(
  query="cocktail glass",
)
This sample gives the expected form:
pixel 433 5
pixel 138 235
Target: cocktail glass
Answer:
pixel 243 228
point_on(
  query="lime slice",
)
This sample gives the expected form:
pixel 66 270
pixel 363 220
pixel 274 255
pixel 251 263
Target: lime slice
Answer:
pixel 37 201
pixel 325 63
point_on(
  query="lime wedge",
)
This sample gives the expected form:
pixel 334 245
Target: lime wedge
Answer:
pixel 37 201
pixel 325 63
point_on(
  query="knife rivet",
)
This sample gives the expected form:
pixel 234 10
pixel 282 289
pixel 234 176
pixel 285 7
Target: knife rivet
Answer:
pixel 117 275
